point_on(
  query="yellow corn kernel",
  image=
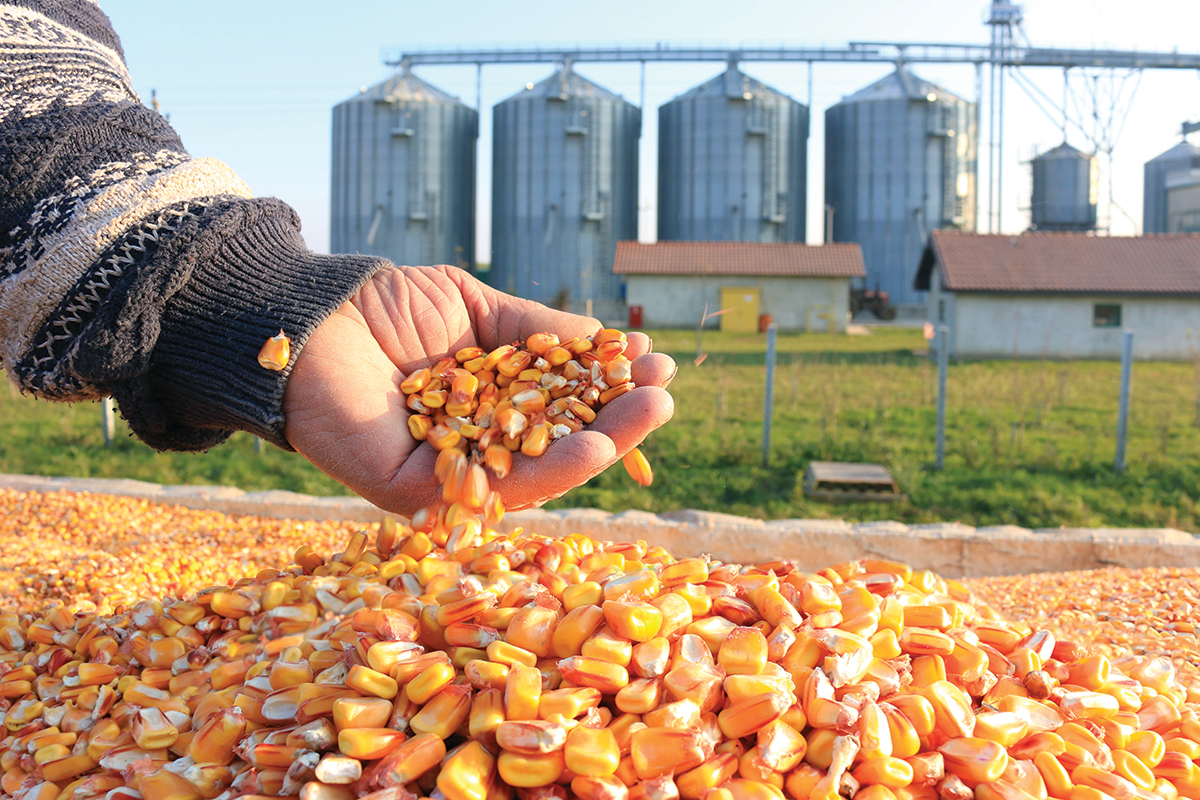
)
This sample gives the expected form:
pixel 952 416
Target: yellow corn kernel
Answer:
pixel 371 682
pixel 592 752
pixel 568 703
pixel 431 681
pixel 1148 746
pixel 1005 727
pixel 1130 767
pixel 582 671
pixel 637 622
pixel 444 713
pixel 952 712
pixel 582 594
pixel 664 751
pixel 530 771
pixel 754 714
pixel 509 654
pixel 888 771
pixel 411 759
pixel 974 761
pixel 467 772
pixel 368 743
pixel 275 352
pixel 743 652
pixel 532 629
pixel 638 467
pixel 522 693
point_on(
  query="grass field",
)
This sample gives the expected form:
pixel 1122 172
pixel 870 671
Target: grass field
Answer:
pixel 1028 443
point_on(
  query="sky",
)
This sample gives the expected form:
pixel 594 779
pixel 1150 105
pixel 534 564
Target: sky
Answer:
pixel 253 83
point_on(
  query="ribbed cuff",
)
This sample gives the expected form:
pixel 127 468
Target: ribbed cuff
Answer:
pixel 252 277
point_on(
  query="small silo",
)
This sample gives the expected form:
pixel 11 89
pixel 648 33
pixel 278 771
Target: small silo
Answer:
pixel 1064 190
pixel 900 161
pixel 732 161
pixel 564 191
pixel 403 174
pixel 1183 157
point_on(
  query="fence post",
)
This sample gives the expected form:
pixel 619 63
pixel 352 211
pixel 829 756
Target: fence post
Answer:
pixel 769 402
pixel 1123 404
pixel 943 356
pixel 109 417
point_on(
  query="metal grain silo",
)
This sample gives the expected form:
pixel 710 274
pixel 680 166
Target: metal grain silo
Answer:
pixel 564 191
pixel 1064 190
pixel 900 161
pixel 732 162
pixel 403 182
pixel 1180 158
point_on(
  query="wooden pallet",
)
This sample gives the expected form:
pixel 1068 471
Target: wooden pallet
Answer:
pixel 837 481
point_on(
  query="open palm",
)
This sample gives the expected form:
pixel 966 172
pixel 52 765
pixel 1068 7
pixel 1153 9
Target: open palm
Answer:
pixel 345 412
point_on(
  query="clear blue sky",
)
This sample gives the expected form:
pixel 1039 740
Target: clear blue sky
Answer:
pixel 254 82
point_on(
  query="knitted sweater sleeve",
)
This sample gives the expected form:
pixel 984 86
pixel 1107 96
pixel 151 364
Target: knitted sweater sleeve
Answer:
pixel 128 268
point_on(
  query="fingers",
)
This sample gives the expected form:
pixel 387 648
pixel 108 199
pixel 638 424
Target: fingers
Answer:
pixel 627 420
pixel 414 486
pixel 653 369
pixel 639 345
pixel 567 463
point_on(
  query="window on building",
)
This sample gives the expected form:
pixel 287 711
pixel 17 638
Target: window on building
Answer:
pixel 941 309
pixel 1106 315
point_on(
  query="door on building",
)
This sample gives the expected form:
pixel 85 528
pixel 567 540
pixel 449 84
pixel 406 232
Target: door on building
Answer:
pixel 739 308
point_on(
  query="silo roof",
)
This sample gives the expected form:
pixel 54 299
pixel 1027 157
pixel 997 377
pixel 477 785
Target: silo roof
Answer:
pixel 1180 152
pixel 564 83
pixel 900 85
pixel 840 260
pixel 1064 150
pixel 1064 263
pixel 404 86
pixel 733 83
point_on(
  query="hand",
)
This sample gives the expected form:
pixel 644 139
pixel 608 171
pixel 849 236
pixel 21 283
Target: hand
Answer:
pixel 345 412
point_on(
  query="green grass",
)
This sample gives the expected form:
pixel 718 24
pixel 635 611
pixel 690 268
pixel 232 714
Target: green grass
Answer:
pixel 1028 443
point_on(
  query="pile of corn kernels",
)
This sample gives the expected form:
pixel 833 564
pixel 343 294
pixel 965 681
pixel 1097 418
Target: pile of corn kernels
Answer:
pixel 570 667
pixel 449 661
pixel 97 552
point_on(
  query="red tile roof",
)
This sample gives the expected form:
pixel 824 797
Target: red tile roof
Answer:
pixel 739 258
pixel 1064 263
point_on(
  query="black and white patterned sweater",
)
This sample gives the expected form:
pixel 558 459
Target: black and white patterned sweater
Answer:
pixel 129 268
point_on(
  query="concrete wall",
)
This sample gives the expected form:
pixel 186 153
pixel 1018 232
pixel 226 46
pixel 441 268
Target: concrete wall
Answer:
pixel 677 301
pixel 1048 326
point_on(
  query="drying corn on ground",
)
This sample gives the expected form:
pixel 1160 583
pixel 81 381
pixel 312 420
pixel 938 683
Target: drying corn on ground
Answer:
pixel 447 660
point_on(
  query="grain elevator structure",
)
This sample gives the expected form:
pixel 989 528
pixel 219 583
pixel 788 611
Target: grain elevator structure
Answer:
pixel 732 162
pixel 900 161
pixel 403 174
pixel 564 191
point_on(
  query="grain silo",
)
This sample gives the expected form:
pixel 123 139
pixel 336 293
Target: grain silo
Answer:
pixel 403 182
pixel 1183 157
pixel 564 191
pixel 1064 190
pixel 732 161
pixel 900 161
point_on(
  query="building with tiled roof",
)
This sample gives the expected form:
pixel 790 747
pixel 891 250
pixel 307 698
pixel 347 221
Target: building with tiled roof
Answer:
pixel 1064 295
pixel 799 286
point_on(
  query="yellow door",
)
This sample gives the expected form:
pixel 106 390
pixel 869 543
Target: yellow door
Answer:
pixel 739 309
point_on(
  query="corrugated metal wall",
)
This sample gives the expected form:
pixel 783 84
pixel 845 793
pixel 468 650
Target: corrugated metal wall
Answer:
pixel 1063 197
pixel 900 161
pixel 732 163
pixel 403 174
pixel 564 191
pixel 1183 156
